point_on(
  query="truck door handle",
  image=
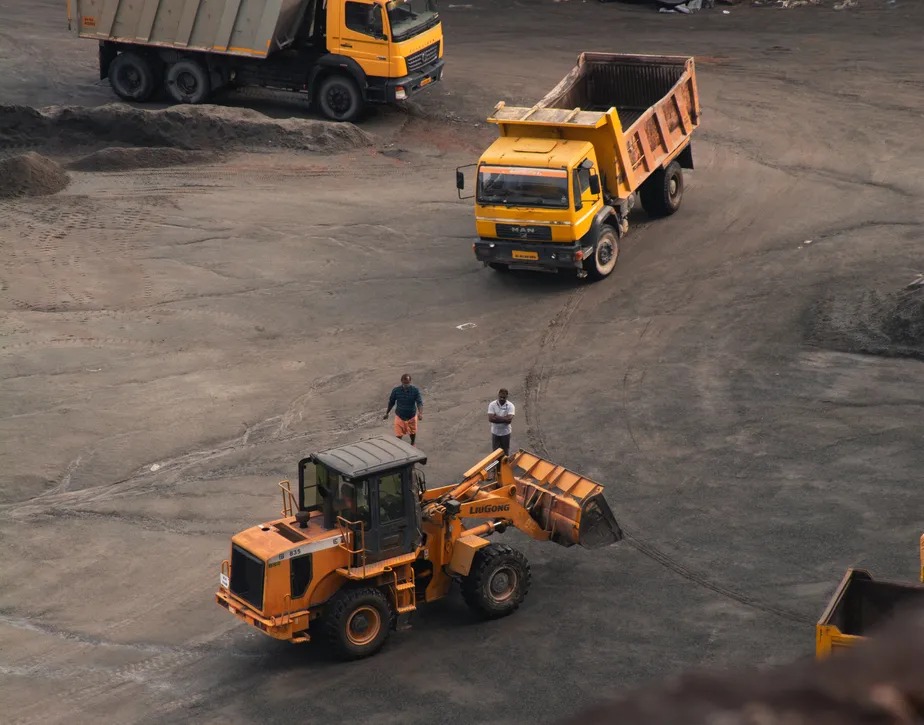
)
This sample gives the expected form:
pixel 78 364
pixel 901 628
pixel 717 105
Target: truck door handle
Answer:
pixel 346 45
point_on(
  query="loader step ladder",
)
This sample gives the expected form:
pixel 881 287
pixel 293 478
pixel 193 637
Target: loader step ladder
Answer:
pixel 365 571
pixel 405 590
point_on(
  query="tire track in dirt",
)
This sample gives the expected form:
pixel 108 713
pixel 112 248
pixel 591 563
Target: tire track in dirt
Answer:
pixel 535 379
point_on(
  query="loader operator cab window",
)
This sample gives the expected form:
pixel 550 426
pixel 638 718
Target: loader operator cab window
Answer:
pixel 340 497
pixel 391 497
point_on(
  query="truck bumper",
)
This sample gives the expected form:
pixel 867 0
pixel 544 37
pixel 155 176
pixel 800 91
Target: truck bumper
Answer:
pixel 519 255
pixel 389 90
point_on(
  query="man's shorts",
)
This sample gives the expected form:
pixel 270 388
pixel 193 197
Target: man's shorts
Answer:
pixel 405 427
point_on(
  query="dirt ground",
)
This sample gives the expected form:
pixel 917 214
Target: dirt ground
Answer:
pixel 176 331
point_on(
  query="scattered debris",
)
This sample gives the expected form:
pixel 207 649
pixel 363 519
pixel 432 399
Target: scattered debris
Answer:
pixel 31 175
pixel 155 467
pixel 466 326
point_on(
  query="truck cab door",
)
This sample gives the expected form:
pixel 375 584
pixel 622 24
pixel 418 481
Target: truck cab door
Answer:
pixel 363 36
pixel 394 522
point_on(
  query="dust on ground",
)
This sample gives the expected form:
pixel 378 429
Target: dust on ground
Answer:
pixel 126 159
pixel 31 174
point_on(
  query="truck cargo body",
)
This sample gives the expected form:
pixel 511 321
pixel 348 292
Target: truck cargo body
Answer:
pixel 615 126
pixel 860 605
pixel 343 53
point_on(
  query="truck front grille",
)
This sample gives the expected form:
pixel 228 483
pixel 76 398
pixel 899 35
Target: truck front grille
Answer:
pixel 525 231
pixel 416 61
pixel 247 576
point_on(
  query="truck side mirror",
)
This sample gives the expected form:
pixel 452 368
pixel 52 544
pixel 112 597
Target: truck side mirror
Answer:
pixel 594 184
pixel 460 180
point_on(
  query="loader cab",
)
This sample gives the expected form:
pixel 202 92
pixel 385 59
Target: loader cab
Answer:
pixel 372 488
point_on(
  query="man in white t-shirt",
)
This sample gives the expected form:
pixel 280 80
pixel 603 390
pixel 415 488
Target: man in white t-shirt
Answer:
pixel 500 414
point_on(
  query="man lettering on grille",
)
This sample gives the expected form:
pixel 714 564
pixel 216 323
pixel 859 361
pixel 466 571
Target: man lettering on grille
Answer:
pixel 500 414
pixel 408 407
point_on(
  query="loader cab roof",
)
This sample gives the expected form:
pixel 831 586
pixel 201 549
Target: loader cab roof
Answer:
pixel 368 457
pixel 548 153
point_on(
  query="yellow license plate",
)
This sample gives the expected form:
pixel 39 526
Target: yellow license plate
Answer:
pixel 426 81
pixel 517 254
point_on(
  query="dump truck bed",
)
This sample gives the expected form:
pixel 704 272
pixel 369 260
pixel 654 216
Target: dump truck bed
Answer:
pixel 859 605
pixel 252 28
pixel 638 110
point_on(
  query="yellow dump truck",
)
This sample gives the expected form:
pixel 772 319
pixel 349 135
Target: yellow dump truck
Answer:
pixel 342 54
pixel 363 542
pixel 859 605
pixel 554 191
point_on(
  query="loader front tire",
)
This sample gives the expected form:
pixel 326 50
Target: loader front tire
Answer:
pixel 662 192
pixel 357 623
pixel 497 582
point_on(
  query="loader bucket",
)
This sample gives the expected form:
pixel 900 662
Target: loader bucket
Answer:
pixel 563 503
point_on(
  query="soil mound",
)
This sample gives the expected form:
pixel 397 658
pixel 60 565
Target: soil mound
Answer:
pixel 128 159
pixel 180 127
pixel 873 323
pixel 31 175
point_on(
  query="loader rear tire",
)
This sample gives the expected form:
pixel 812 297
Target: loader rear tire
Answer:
pixel 497 582
pixel 357 623
pixel 662 192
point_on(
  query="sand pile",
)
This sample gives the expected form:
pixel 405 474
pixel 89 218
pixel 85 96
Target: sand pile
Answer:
pixel 180 127
pixel 31 175
pixel 874 323
pixel 127 159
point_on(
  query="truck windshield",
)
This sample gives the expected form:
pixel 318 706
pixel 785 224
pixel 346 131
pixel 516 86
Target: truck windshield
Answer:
pixel 408 18
pixel 521 186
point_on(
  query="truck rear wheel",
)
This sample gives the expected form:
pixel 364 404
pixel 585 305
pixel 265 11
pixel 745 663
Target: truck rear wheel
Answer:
pixel 497 582
pixel 357 622
pixel 132 77
pixel 188 82
pixel 339 98
pixel 662 192
pixel 606 251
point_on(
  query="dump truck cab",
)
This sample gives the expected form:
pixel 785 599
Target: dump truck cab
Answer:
pixel 363 541
pixel 544 191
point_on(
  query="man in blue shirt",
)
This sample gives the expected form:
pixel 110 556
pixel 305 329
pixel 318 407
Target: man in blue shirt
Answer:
pixel 408 407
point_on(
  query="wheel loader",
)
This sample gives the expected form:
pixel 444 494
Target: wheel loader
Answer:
pixel 362 542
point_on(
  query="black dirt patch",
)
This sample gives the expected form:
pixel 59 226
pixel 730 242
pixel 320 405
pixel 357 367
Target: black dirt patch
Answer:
pixel 179 127
pixel 870 323
pixel 31 175
pixel 127 159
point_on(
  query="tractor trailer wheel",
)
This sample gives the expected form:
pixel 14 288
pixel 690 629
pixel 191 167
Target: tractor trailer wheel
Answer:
pixel 498 581
pixel 357 623
pixel 606 250
pixel 132 77
pixel 188 81
pixel 662 192
pixel 339 98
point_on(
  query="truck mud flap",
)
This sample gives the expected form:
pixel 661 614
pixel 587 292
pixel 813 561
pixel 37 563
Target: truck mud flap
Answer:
pixel 598 525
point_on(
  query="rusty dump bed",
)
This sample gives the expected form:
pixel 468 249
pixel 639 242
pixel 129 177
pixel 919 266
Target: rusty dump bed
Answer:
pixel 252 28
pixel 632 84
pixel 859 606
pixel 638 111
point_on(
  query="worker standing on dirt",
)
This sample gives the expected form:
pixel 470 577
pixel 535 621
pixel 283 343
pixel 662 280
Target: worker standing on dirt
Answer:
pixel 408 407
pixel 500 413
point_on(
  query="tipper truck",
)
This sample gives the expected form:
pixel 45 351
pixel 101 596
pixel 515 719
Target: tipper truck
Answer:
pixel 342 54
pixel 554 191
pixel 859 605
pixel 363 542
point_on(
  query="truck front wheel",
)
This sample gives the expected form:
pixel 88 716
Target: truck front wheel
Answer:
pixel 357 622
pixel 188 82
pixel 662 192
pixel 497 582
pixel 606 251
pixel 131 77
pixel 339 98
